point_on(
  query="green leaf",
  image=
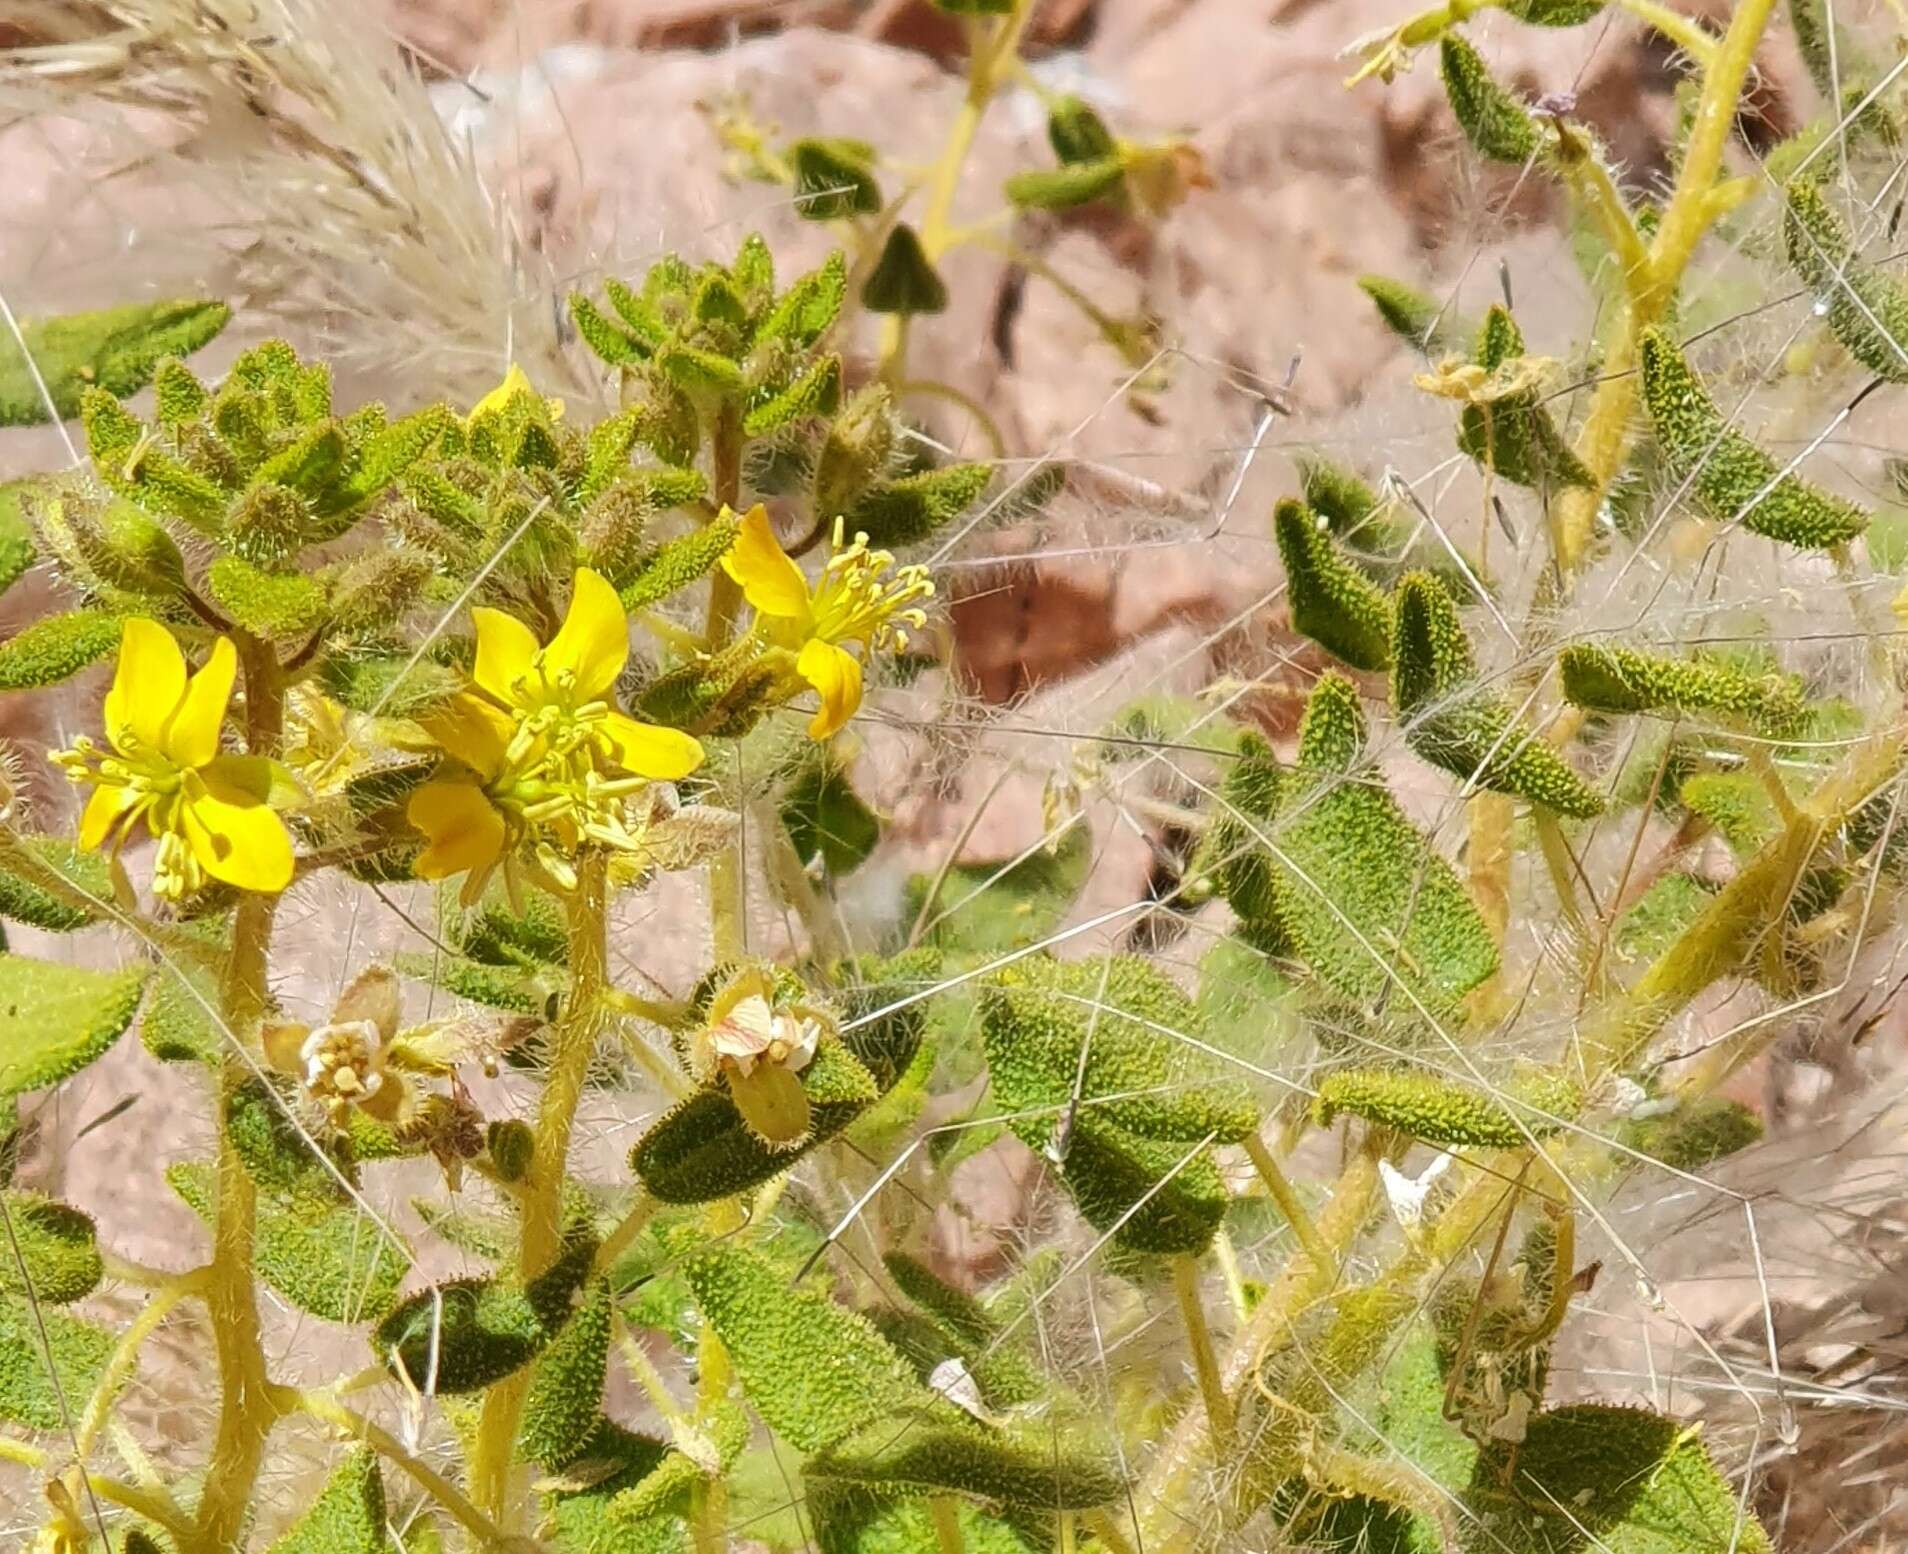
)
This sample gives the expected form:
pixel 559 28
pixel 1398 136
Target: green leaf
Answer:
pixel 1867 308
pixel 852 1520
pixel 1554 13
pixel 700 374
pixel 348 1517
pixel 179 1024
pixel 267 604
pixel 1660 916
pixel 385 684
pixel 701 1150
pixel 314 1247
pixel 988 909
pixel 17 551
pixel 1741 809
pixel 1513 435
pixel 677 563
pixel 565 1400
pixel 1606 677
pixel 468 1333
pixel 1452 722
pixel 30 1394
pixel 1332 602
pixel 904 279
pixel 586 1520
pixel 1826 49
pixel 54 1020
pixel 530 930
pixel 1155 1198
pixel 56 649
pixel 1498 126
pixel 1733 478
pixel 1619 1480
pixel 921 1455
pixel 1065 188
pixel 824 815
pixel 975 7
pixel 1234 852
pixel 25 900
pixel 1441 1111
pixel 1121 1037
pixel 115 349
pixel 1694 1134
pixel 815 392
pixel 815 1372
pixel 1362 898
pixel 834 179
pixel 57 1245
pixel 913 508
pixel 809 308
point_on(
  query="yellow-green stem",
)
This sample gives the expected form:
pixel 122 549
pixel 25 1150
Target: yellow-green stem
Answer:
pixel 1605 438
pixel 540 1201
pixel 1287 1199
pixel 710 1508
pixel 125 1355
pixel 946 1512
pixel 1212 1393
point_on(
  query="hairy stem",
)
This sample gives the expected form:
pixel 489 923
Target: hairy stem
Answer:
pixel 1605 440
pixel 725 455
pixel 541 1200
pixel 1212 1393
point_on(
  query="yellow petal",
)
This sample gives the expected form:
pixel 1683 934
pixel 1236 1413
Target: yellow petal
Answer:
pixel 474 731
pixel 147 686
pixel 772 1103
pixel 836 675
pixel 593 642
pixel 506 652
pixel 663 754
pixel 106 805
pixel 770 581
pixel 373 996
pixel 514 382
pixel 192 737
pixel 228 819
pixel 283 1041
pixel 464 829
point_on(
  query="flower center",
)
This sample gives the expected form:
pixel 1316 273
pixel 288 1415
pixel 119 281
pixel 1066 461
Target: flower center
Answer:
pixel 860 597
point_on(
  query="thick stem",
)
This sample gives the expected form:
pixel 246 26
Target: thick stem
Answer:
pixel 540 1203
pixel 725 457
pixel 247 1406
pixel 1287 1199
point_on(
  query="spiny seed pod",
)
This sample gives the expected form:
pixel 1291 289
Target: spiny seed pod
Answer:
pixel 1867 309
pixel 348 1517
pixel 1606 677
pixel 1429 1107
pixel 1353 511
pixel 1455 724
pixel 511 1144
pixel 1733 478
pixel 565 1398
pixel 1416 317
pixel 373 592
pixel 1333 603
pixel 1234 852
pixel 675 564
pixel 1497 125
pixel 936 1456
pixel 1509 431
pixel 859 441
pixel 268 525
pixel 915 507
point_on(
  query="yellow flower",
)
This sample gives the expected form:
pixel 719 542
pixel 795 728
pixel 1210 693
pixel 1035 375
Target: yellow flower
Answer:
pixel 545 744
pixel 852 601
pixel 210 813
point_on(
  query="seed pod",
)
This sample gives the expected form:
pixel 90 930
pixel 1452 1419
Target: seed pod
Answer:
pixel 1606 677
pixel 1439 1111
pixel 1733 478
pixel 1867 309
pixel 1497 125
pixel 1333 602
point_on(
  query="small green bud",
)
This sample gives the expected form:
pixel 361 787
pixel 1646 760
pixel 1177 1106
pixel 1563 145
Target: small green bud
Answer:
pixel 269 525
pixel 177 394
pixel 1234 851
pixel 1077 132
pixel 1064 188
pixel 511 1144
pixel 1332 602
pixel 754 271
pixel 1733 478
pixel 915 507
pixel 834 178
pixel 815 392
pixel 373 591
pixel 859 442
pixel 904 280
pixel 1415 317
